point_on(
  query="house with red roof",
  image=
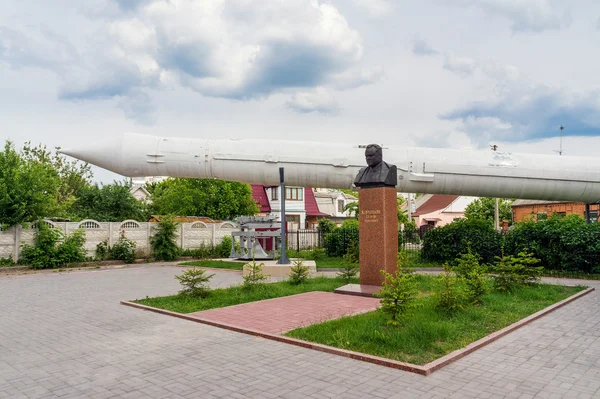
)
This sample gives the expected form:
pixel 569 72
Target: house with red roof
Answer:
pixel 301 210
pixel 437 210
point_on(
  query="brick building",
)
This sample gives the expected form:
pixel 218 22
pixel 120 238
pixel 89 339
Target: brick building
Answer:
pixel 541 210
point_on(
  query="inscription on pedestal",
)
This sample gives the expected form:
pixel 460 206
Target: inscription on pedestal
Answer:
pixel 371 216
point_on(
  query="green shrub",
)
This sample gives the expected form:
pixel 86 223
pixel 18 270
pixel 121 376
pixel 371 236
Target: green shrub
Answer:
pixel 560 243
pixel 336 243
pixel 7 261
pixel 124 249
pixel 204 252
pixel 311 254
pixel 326 226
pixel 451 295
pixel 397 294
pixel 298 273
pixel 255 275
pixel 350 266
pixel 223 250
pixel 514 271
pixel 102 250
pixel 195 283
pixel 410 235
pixel 474 275
pixel 348 271
pixel 444 244
pixel 53 249
pixel 163 242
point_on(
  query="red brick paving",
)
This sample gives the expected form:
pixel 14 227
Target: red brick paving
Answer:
pixel 279 315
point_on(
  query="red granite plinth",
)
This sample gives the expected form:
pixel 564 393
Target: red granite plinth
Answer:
pixel 378 233
pixel 358 290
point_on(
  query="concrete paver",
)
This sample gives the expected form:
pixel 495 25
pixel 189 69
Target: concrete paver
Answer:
pixel 279 315
pixel 66 336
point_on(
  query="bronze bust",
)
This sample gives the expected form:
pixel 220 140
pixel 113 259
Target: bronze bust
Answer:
pixel 378 173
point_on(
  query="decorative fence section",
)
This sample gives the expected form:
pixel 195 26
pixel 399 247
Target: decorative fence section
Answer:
pixel 189 235
pixel 304 239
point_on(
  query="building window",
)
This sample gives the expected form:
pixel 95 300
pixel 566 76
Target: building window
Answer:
pixel 542 216
pixel 340 206
pixel 274 193
pixel 593 216
pixel 294 193
pixel 293 219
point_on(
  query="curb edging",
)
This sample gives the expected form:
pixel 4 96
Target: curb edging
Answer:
pixel 425 370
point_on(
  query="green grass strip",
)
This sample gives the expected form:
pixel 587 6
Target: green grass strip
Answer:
pixel 215 264
pixel 236 295
pixel 427 333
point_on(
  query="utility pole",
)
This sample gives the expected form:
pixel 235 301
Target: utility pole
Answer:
pixel 560 151
pixel 494 147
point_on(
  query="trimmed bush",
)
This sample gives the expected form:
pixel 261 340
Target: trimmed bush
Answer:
pixel 445 244
pixel 560 243
pixel 340 239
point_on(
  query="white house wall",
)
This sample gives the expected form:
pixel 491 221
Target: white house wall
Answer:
pixel 459 204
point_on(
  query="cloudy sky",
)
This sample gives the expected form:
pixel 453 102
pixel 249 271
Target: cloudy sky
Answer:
pixel 437 73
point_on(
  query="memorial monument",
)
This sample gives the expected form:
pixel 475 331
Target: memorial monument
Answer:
pixel 378 217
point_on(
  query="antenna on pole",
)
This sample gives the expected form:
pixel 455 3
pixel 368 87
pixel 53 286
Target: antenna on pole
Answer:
pixel 560 151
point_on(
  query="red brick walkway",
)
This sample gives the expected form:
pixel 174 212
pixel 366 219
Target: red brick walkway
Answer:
pixel 279 315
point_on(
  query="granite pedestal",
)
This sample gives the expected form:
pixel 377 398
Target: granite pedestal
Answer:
pixel 378 239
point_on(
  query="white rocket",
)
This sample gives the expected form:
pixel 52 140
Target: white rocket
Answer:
pixel 312 164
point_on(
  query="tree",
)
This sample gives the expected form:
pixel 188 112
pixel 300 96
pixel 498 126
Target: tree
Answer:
pixel 352 208
pixel 217 199
pixel 108 203
pixel 74 175
pixel 483 209
pixel 402 214
pixel 28 189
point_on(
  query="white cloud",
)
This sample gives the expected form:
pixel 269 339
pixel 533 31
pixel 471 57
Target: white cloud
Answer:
pixel 37 49
pixel 463 66
pixel 524 15
pixel 421 47
pixel 530 112
pixel 318 100
pixel 236 52
pixel 229 49
pixel 375 7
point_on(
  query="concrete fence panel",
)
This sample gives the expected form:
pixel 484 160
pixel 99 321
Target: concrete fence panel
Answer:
pixel 189 235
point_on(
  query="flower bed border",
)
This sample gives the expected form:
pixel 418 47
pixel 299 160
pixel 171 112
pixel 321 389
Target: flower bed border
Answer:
pixel 414 368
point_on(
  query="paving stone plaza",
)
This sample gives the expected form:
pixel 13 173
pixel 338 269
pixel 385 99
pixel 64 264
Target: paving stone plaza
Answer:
pixel 65 335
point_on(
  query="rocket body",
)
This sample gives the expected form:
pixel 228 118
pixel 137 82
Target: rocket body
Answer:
pixel 335 165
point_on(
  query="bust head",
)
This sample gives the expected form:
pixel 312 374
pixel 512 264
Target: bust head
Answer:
pixel 374 155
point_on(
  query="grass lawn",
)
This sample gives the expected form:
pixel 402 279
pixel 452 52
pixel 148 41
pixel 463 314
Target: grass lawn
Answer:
pixel 428 333
pixel 221 297
pixel 216 264
pixel 338 262
pixel 330 262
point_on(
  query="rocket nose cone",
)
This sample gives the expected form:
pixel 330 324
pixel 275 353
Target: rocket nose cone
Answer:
pixel 107 154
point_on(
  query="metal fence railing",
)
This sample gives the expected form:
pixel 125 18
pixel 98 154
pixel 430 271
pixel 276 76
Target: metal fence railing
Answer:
pixel 304 239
